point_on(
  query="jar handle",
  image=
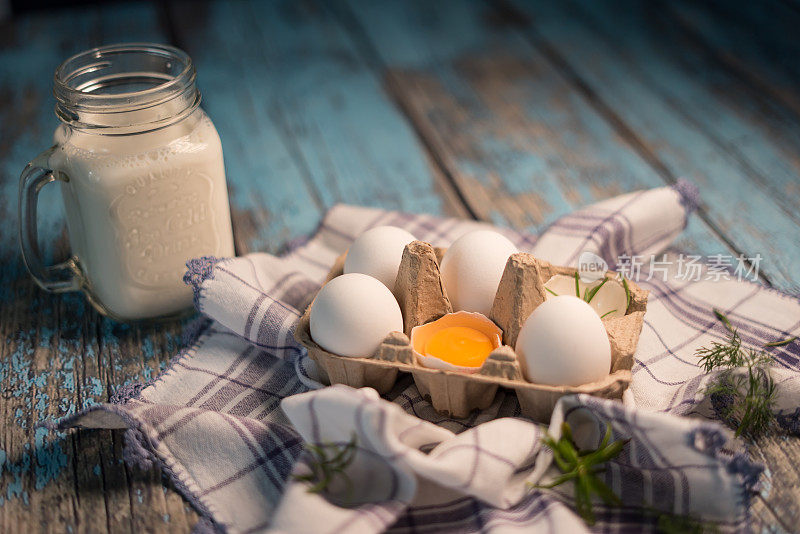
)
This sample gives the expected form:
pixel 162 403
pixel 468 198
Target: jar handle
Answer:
pixel 59 278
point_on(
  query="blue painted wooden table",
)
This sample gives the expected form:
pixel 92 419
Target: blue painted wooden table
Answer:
pixel 511 112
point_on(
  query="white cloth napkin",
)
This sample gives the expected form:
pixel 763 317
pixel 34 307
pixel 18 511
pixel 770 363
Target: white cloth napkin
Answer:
pixel 213 422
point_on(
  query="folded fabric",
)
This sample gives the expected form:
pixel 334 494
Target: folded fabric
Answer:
pixel 213 421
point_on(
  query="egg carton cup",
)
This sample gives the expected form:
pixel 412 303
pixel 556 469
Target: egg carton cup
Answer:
pixel 422 297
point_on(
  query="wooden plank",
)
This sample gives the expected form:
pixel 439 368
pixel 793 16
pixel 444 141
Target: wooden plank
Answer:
pixel 762 515
pixel 683 117
pixel 58 355
pixel 780 496
pixel 304 123
pixel 756 41
pixel 522 144
pixel 755 47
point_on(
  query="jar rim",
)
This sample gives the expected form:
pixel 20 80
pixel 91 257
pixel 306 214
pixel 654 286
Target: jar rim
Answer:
pixel 79 81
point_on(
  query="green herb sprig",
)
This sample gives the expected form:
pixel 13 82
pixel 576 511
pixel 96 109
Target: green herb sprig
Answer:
pixel 590 293
pixel 329 460
pixel 728 354
pixel 583 468
pixel 682 524
pixel 724 318
pixel 627 292
pixel 780 343
pixel 748 398
pixel 749 412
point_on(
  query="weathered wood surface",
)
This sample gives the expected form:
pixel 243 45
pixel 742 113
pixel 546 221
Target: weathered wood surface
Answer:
pixel 523 145
pixel 756 41
pixel 57 355
pixel 688 116
pixel 515 113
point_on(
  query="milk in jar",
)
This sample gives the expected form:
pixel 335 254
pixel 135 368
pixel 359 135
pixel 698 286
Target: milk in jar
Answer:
pixel 142 178
pixel 140 206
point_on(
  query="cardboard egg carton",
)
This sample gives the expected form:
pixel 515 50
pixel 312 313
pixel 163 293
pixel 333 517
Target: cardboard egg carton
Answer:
pixel 422 297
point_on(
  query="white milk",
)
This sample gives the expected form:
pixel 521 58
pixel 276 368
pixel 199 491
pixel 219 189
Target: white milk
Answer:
pixel 138 206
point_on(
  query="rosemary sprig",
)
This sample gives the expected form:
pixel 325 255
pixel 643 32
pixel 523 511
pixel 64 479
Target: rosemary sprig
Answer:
pixel 577 286
pixel 328 461
pixel 780 343
pixel 607 313
pixel 583 468
pixel 722 317
pixel 551 291
pixel 744 400
pixel 589 295
pixel 627 292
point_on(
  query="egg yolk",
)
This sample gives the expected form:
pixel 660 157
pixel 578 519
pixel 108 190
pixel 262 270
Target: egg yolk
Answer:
pixel 459 345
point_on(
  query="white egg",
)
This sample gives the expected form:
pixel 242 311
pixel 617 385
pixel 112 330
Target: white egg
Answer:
pixel 564 343
pixel 609 301
pixel 352 314
pixel 377 253
pixel 472 267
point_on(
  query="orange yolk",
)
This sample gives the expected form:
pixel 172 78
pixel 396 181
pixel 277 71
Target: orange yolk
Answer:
pixel 459 345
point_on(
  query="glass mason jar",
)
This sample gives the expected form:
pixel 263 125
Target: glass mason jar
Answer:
pixel 142 177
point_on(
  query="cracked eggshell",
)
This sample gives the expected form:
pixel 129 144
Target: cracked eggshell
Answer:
pixel 609 298
pixel 352 314
pixel 377 253
pixel 421 334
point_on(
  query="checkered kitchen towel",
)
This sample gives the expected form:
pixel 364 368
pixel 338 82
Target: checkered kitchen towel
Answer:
pixel 228 419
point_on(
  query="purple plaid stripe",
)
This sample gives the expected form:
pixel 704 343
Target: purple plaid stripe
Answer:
pixel 287 449
pixel 279 349
pixel 220 378
pixel 260 291
pixel 283 448
pixel 610 218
